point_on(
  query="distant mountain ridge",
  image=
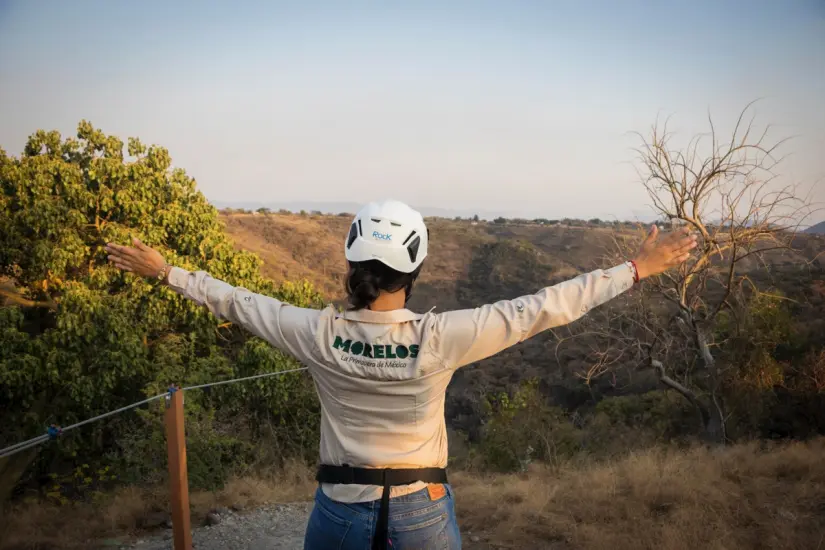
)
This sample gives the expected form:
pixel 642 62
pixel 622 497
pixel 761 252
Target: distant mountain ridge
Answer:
pixel 350 207
pixel 449 213
pixel 818 229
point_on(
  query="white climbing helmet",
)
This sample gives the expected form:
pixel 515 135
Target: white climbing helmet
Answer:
pixel 390 232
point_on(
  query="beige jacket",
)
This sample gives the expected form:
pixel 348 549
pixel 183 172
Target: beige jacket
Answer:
pixel 382 376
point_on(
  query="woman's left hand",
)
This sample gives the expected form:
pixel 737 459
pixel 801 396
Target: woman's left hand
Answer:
pixel 657 255
pixel 139 258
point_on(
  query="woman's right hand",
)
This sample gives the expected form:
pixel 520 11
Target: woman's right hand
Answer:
pixel 139 258
pixel 658 254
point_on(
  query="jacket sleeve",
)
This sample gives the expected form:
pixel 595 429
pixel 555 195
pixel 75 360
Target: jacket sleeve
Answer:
pixel 465 336
pixel 289 328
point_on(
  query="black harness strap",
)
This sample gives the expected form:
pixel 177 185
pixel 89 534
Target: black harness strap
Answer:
pixel 390 477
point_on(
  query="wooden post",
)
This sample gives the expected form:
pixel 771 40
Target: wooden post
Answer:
pixel 178 478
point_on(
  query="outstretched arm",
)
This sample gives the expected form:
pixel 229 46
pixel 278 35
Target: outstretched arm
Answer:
pixel 466 336
pixel 289 328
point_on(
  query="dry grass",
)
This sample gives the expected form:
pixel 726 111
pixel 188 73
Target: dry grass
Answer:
pixel 295 247
pixel 739 498
pixel 133 510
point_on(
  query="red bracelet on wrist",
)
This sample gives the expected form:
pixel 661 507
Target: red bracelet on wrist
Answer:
pixel 635 272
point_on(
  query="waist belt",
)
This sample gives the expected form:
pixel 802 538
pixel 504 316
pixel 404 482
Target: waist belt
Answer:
pixel 386 478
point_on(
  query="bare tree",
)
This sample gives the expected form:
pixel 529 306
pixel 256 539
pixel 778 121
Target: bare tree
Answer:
pixel 727 192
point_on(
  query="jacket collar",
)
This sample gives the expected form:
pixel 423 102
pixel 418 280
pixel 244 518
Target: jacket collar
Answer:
pixel 380 317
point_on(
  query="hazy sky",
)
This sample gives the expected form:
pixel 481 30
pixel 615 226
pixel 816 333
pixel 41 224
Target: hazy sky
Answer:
pixel 506 105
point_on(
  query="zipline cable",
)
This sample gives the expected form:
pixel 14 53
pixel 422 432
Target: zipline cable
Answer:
pixel 53 431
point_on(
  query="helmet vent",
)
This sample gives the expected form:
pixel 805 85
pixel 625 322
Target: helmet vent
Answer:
pixel 408 238
pixel 353 234
pixel 395 224
pixel 413 248
pixel 360 232
pixel 375 220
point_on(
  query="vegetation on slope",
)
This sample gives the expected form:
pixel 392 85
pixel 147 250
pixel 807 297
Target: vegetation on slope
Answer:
pixel 475 264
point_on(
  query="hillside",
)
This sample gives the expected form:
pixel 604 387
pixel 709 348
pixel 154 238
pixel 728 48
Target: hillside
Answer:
pixel 468 261
pixel 475 263
pixel 295 247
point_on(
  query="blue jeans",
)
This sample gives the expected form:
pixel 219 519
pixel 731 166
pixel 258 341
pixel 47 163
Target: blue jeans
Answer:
pixel 415 522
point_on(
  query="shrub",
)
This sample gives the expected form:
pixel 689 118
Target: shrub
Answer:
pixel 522 428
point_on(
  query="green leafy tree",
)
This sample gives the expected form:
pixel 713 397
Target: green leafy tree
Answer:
pixel 78 338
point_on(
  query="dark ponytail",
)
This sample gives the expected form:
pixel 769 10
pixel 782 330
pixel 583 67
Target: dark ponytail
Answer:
pixel 366 280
